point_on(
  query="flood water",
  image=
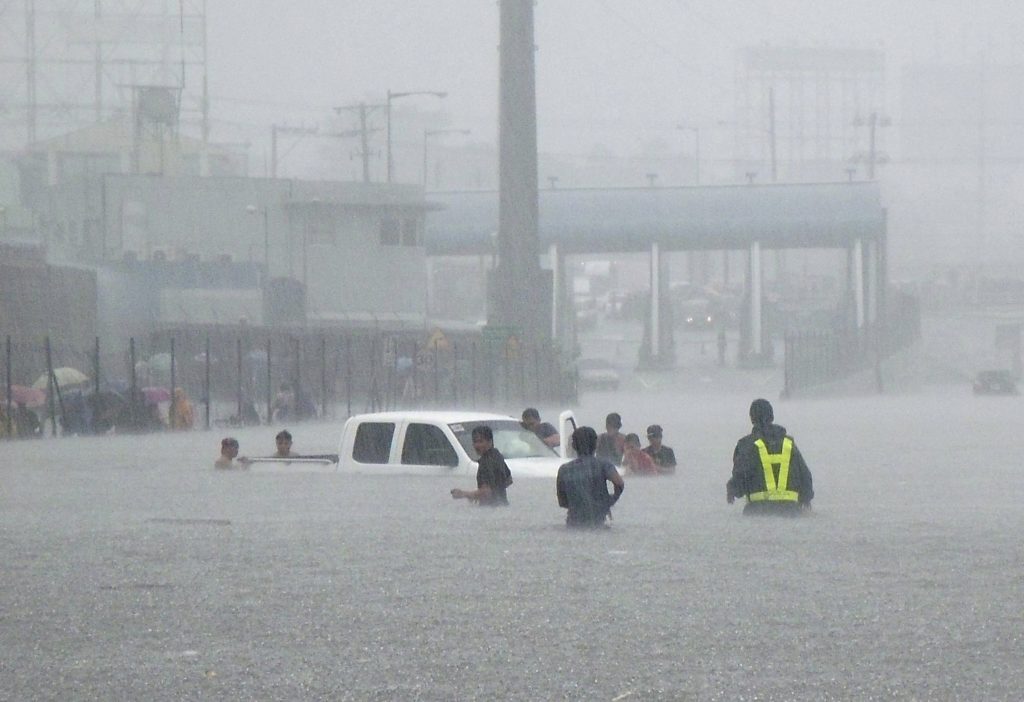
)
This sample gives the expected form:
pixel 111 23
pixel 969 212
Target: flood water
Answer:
pixel 133 570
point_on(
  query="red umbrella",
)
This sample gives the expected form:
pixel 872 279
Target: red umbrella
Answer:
pixel 23 393
pixel 156 394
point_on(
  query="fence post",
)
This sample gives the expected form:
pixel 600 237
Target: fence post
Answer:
pixel 414 352
pixel 7 416
pixel 297 343
pixel 455 374
pixel 133 385
pixel 437 373
pixel 238 384
pixel 170 412
pixel 472 375
pixel 206 381
pixel 323 377
pixel 270 388
pixel 348 376
pixel 96 367
pixel 52 387
pixel 536 369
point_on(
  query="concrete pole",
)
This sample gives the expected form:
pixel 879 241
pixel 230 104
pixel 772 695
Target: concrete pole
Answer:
pixel 755 299
pixel 655 301
pixel 556 290
pixel 518 300
pixel 858 283
pixel 871 275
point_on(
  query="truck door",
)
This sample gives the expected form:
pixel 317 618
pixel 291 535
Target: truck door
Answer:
pixel 427 449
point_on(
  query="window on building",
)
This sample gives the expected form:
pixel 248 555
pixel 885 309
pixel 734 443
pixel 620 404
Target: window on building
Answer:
pixel 426 445
pixel 373 442
pixel 410 231
pixel 390 233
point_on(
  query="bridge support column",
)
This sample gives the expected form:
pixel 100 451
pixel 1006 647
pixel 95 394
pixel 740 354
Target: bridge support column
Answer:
pixel 561 304
pixel 657 349
pixel 756 312
pixel 856 263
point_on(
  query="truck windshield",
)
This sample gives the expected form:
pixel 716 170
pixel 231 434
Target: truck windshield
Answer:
pixel 509 437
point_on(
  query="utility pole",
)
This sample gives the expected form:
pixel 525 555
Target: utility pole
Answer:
pixel 276 129
pixel 363 131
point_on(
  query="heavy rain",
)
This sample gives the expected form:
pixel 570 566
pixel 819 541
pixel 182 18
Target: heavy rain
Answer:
pixel 265 272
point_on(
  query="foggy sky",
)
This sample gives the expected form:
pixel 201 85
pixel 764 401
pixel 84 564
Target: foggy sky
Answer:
pixel 607 72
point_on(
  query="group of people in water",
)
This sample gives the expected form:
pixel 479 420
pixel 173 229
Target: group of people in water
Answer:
pixel 229 457
pixel 768 468
pixel 622 450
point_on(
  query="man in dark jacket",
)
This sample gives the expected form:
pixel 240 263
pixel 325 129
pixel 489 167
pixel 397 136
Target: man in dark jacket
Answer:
pixel 581 484
pixel 768 469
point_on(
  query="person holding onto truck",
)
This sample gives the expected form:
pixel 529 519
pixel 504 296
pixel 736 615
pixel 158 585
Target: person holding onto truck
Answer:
pixel 284 444
pixel 492 476
pixel 545 431
pixel 611 444
pixel 228 453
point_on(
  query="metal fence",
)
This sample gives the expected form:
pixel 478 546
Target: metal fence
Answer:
pixel 816 357
pixel 232 378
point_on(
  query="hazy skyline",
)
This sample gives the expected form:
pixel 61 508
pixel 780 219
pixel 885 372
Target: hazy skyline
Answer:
pixel 605 73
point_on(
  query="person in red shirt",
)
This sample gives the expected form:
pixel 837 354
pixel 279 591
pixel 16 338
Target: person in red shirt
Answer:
pixel 635 460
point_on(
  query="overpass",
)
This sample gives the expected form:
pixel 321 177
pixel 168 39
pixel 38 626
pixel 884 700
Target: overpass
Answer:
pixel 753 218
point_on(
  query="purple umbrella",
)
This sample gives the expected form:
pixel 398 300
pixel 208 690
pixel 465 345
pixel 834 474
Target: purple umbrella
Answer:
pixel 156 394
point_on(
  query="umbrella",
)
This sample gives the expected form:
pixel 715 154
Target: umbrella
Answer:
pixel 65 377
pixel 31 397
pixel 156 394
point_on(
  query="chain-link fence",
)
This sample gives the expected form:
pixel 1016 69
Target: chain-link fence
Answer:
pixel 199 379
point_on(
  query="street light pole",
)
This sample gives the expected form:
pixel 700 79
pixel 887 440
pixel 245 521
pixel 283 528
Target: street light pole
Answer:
pixel 394 96
pixel 427 133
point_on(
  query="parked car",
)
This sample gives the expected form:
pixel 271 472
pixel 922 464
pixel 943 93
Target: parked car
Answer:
pixel 995 382
pixel 597 374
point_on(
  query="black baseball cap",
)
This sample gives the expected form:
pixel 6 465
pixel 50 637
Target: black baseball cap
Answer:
pixel 654 430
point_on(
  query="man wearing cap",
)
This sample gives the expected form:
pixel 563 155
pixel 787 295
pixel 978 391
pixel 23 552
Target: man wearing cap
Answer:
pixel 768 469
pixel 664 457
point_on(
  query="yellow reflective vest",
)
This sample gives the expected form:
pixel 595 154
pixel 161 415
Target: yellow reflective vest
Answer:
pixel 775 488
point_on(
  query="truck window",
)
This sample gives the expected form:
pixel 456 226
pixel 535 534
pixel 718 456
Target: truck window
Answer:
pixel 373 442
pixel 427 445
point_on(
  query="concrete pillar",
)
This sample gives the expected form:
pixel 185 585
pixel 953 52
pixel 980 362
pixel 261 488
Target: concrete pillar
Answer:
pixel 655 300
pixel 756 322
pixel 858 282
pixel 872 288
pixel 557 292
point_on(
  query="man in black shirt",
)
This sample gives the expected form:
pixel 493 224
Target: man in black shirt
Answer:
pixel 492 476
pixel 581 487
pixel 664 457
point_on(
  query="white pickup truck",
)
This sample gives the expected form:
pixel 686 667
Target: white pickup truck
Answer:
pixel 441 443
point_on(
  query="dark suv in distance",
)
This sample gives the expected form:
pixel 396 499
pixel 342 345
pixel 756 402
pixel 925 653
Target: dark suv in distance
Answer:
pixel 995 382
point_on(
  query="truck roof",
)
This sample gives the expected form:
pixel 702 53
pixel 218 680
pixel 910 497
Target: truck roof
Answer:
pixel 441 416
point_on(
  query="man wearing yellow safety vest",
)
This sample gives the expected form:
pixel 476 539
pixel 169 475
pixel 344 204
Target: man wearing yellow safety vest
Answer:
pixel 768 469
